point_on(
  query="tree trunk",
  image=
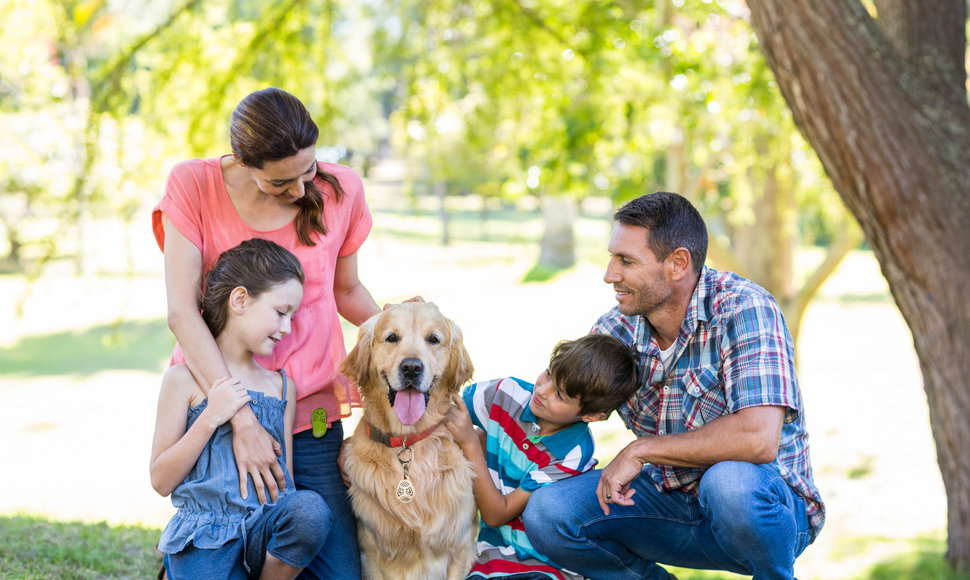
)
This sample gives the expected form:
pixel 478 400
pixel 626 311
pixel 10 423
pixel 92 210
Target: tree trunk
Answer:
pixel 440 189
pixel 884 105
pixel 557 248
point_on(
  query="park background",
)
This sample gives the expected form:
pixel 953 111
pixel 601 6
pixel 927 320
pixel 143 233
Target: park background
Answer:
pixel 495 139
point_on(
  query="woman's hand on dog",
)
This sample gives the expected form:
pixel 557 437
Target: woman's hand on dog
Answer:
pixel 460 423
pixel 417 298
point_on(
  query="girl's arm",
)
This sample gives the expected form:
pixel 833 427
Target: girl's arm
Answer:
pixel 174 450
pixel 354 301
pixel 495 508
pixel 289 418
pixel 254 449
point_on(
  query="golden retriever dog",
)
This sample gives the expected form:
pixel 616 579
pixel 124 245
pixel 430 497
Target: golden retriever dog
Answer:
pixel 410 484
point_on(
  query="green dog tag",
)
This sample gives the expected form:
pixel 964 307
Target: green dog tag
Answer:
pixel 319 422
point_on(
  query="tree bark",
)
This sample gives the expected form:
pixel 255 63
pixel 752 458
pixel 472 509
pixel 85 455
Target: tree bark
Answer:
pixel 557 247
pixel 884 104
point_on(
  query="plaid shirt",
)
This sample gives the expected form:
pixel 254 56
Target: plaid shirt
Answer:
pixel 734 351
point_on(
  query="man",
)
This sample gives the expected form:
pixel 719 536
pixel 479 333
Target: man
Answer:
pixel 719 475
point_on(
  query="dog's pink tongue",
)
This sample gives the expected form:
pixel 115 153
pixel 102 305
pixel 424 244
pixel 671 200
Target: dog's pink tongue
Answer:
pixel 409 406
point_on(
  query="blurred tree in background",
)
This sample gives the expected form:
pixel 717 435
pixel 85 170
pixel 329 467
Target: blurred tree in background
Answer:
pixel 98 99
pixel 560 101
pixel 567 100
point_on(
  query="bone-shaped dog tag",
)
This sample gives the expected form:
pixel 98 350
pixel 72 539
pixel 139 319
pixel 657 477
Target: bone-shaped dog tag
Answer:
pixel 405 493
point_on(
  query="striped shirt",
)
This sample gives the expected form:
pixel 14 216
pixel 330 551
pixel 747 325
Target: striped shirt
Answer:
pixel 733 351
pixel 518 457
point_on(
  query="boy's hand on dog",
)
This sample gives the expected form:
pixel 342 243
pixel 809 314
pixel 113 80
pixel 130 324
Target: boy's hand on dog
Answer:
pixel 460 423
pixel 340 464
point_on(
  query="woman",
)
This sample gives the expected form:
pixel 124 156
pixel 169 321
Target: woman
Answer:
pixel 272 187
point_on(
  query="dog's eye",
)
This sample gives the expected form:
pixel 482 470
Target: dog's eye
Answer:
pixel 433 339
pixel 391 338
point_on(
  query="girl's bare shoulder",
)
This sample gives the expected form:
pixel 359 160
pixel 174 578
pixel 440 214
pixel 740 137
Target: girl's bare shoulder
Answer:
pixel 179 382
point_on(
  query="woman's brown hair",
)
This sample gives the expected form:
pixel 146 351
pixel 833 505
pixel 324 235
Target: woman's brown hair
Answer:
pixel 270 125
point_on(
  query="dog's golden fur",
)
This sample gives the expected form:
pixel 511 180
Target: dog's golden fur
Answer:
pixel 432 537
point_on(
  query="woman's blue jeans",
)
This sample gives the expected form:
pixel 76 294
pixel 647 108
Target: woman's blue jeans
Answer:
pixel 745 519
pixel 315 468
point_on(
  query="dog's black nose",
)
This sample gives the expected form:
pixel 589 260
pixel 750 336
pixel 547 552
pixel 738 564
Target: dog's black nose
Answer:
pixel 412 367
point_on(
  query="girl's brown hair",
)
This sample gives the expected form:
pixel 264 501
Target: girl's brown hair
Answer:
pixel 270 125
pixel 257 265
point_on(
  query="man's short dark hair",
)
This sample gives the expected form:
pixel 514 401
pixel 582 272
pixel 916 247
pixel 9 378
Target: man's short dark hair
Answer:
pixel 597 369
pixel 671 222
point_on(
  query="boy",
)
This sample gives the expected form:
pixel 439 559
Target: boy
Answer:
pixel 535 435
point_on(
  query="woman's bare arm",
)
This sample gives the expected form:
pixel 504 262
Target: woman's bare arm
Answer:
pixel 255 450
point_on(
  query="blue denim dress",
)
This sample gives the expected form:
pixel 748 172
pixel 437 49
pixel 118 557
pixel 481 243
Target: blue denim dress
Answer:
pixel 211 511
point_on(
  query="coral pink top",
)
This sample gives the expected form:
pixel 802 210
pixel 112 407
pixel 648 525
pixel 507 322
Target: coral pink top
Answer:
pixel 198 205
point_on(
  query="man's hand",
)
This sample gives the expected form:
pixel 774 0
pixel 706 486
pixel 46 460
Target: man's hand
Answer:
pixel 614 485
pixel 256 452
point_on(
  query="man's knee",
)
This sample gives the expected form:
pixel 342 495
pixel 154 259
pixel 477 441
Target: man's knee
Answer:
pixel 536 507
pixel 741 496
pixel 730 482
pixel 539 513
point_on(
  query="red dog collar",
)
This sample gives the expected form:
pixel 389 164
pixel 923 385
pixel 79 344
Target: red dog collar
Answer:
pixel 397 441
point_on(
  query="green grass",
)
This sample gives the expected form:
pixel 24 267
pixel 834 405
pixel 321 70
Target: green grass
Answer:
pixel 34 548
pixel 921 558
pixel 539 274
pixel 138 345
pixel 924 562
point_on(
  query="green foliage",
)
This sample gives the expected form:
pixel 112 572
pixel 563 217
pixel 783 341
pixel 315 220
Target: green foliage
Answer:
pixel 618 99
pixel 99 98
pixel 35 548
pixel 500 98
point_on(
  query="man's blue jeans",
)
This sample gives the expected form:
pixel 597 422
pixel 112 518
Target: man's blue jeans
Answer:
pixel 315 467
pixel 745 520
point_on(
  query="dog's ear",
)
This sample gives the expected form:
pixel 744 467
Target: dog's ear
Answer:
pixel 356 366
pixel 460 363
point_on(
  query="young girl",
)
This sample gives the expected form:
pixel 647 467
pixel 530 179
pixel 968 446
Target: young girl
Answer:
pixel 250 296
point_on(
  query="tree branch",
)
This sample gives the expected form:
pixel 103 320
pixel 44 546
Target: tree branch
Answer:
pixel 540 23
pixel 106 85
pixel 850 236
pixel 259 38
